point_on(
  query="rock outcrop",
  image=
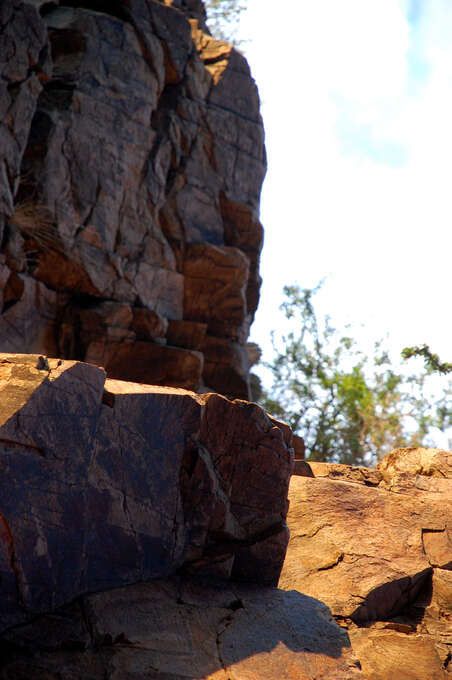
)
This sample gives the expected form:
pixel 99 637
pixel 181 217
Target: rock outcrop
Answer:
pixel 133 519
pixel 182 628
pixel 105 483
pixel 375 545
pixel 142 526
pixel 131 162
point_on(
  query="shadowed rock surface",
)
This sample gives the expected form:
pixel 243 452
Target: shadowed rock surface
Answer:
pixel 178 629
pixel 131 162
pixel 376 547
pixel 105 483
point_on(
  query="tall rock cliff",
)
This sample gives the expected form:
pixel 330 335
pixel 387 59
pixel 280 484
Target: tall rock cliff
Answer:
pixel 131 162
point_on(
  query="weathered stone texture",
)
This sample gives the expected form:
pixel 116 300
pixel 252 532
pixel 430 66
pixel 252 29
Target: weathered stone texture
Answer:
pixel 105 482
pixel 178 629
pixel 131 161
pixel 24 61
pixel 376 547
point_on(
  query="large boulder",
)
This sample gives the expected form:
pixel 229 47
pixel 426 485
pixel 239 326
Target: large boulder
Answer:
pixel 376 546
pixel 105 483
pixel 131 161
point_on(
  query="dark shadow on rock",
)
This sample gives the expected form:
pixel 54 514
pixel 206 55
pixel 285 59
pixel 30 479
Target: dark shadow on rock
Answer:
pixel 270 617
pixel 392 598
pixel 89 499
pixel 102 488
pixel 176 629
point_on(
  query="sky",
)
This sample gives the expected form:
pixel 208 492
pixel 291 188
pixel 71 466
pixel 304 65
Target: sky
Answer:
pixel 356 100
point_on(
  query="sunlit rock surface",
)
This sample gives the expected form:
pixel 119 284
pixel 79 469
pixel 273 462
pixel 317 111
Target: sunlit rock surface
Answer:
pixel 375 545
pixel 131 162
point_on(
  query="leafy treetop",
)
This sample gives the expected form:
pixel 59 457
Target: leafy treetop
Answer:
pixel 348 407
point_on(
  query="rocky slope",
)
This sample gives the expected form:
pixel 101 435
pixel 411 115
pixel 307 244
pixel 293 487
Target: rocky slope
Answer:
pixel 131 162
pixel 142 533
pixel 136 523
pixel 365 594
pixel 182 628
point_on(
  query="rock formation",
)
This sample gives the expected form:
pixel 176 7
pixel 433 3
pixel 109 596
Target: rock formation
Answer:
pixel 143 527
pixel 181 628
pixel 131 162
pixel 375 545
pixel 105 483
pixel 183 496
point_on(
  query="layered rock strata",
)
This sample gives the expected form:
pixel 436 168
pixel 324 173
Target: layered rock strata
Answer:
pixel 105 483
pixel 375 545
pixel 131 162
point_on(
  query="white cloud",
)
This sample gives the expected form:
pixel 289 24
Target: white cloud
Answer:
pixel 384 233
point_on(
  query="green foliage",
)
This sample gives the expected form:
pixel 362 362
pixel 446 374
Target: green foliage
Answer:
pixel 432 361
pixel 223 18
pixel 348 408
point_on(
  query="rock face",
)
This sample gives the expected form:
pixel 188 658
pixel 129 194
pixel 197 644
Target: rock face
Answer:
pixel 178 629
pixel 105 483
pixel 376 547
pixel 131 162
pixel 133 519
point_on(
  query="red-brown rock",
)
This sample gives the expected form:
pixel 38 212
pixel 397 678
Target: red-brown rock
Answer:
pixel 105 483
pixel 131 161
pixel 177 629
pixel 376 547
pixel 24 62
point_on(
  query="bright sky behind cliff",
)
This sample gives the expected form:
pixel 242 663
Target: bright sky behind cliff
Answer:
pixel 357 106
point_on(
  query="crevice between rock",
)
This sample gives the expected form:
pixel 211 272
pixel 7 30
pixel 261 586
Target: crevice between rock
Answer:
pixel 396 600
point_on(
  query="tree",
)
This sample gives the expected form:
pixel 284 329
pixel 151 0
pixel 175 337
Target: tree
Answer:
pixel 349 408
pixel 223 18
pixel 432 361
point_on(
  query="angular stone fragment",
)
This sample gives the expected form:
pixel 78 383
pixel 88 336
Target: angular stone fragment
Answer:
pixel 30 314
pixel 416 461
pixel 226 365
pixel 299 447
pixel 364 550
pixel 147 362
pixel 436 608
pixel 354 474
pixel 302 468
pixel 105 483
pixel 189 334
